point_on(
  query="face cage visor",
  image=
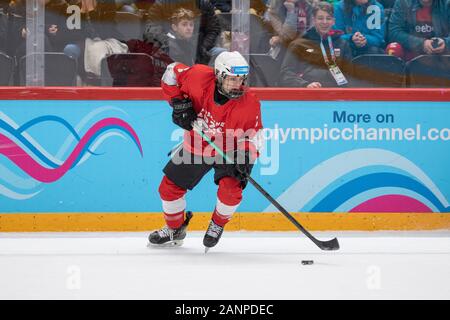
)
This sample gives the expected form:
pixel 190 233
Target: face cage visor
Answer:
pixel 233 93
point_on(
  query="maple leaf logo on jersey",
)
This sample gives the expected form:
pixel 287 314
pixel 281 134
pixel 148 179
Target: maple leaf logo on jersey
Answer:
pixel 210 125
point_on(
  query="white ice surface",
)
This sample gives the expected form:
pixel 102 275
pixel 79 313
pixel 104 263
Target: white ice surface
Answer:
pixel 245 265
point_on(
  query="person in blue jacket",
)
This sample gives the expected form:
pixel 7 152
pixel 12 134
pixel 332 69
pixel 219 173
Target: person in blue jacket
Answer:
pixel 363 24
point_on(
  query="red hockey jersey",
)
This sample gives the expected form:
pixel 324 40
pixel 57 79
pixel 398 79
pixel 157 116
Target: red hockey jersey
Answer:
pixel 235 124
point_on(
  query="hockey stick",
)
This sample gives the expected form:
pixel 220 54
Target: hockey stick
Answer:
pixel 332 244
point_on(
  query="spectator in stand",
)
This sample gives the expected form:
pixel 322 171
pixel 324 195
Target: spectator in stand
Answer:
pixel 421 27
pixel 289 19
pixel 363 24
pixel 181 44
pixel 55 11
pixel 16 31
pixel 208 25
pixel 84 30
pixel 100 17
pixel 84 19
pixel 319 58
pixel 92 19
pixel 221 5
pixel 3 27
pixel 55 24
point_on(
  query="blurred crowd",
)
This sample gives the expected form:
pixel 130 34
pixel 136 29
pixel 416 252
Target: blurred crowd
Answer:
pixel 290 43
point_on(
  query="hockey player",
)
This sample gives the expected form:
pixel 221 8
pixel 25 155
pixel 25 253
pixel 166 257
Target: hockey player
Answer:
pixel 231 117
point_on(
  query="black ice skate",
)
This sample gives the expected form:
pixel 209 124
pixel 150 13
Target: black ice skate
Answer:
pixel 167 237
pixel 212 235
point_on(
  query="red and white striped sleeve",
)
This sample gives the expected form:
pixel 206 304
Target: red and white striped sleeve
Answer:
pixel 172 80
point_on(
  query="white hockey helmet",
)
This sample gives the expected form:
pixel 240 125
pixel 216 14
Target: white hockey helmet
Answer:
pixel 231 64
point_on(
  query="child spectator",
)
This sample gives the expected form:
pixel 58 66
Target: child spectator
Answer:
pixel 363 24
pixel 158 17
pixel 181 44
pixel 319 58
pixel 421 27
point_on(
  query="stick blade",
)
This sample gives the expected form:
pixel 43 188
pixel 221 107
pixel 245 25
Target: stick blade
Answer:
pixel 330 245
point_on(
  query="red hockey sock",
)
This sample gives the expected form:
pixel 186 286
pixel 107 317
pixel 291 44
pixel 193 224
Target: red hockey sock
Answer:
pixel 229 197
pixel 173 202
pixel 220 219
pixel 174 221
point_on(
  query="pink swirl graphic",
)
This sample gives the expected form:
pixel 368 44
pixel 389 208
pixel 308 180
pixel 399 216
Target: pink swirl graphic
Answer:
pixel 392 203
pixel 25 162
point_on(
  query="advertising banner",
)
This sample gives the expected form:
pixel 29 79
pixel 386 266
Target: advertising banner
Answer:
pixel 318 156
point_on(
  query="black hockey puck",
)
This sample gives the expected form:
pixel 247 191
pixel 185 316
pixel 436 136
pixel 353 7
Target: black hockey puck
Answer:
pixel 307 262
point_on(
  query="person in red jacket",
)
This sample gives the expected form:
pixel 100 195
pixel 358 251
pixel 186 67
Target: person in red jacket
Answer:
pixel 218 101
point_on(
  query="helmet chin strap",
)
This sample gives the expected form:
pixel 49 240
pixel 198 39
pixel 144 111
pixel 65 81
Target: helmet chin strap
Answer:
pixel 236 93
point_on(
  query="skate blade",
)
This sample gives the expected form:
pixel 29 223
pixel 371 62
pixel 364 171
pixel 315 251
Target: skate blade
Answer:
pixel 206 250
pixel 169 244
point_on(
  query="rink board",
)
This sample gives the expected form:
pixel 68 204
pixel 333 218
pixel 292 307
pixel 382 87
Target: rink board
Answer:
pixel 83 162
